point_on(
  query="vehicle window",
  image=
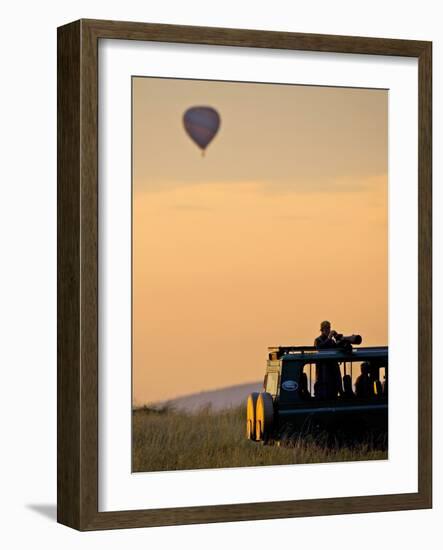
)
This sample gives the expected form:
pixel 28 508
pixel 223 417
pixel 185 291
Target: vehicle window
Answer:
pixel 355 370
pixel 309 370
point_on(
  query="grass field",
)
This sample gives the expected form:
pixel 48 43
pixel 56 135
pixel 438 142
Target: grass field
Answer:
pixel 165 439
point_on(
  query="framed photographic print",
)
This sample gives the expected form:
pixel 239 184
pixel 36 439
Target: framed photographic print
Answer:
pixel 244 274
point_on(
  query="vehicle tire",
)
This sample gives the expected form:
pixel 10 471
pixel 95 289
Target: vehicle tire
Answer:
pixel 264 417
pixel 250 415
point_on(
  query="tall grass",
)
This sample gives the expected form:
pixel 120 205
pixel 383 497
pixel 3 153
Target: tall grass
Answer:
pixel 164 439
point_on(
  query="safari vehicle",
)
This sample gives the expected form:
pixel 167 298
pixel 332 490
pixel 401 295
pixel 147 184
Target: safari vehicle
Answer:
pixel 292 402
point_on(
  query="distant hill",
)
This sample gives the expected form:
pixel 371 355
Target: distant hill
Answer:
pixel 223 398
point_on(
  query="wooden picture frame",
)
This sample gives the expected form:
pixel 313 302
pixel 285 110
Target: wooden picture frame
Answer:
pixel 77 457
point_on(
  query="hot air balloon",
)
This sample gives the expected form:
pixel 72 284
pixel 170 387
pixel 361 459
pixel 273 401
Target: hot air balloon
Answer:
pixel 201 124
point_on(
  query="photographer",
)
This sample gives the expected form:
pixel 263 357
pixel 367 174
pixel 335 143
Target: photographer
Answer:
pixel 328 376
pixel 327 338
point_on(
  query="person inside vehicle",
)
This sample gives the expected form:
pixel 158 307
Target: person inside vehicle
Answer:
pixel 328 376
pixel 363 384
pixel 303 389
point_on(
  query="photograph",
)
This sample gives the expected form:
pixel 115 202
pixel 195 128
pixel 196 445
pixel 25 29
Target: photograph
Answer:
pixel 259 274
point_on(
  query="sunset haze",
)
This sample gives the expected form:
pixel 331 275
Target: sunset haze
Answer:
pixel 281 225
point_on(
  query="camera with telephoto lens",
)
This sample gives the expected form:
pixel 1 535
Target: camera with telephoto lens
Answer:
pixel 346 342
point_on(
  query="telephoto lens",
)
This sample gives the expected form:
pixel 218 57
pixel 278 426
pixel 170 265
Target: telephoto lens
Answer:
pixel 353 339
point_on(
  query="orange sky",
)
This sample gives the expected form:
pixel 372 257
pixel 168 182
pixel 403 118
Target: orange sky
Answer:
pixel 281 225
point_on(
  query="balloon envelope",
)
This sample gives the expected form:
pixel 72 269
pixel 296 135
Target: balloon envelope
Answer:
pixel 201 124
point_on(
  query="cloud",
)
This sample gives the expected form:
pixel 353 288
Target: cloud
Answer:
pixel 293 217
pixel 278 186
pixel 193 207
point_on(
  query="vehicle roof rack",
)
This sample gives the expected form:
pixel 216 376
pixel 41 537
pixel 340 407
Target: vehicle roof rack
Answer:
pixel 278 351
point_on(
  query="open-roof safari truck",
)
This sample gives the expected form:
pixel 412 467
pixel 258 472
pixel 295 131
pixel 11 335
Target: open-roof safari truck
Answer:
pixel 301 397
